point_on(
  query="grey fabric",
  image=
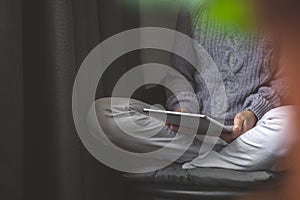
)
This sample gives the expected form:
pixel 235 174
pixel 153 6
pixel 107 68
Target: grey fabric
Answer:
pixel 136 131
pixel 131 117
pixel 211 177
pixel 244 62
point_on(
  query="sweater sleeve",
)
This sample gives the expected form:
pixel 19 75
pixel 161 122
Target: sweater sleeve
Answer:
pixel 182 87
pixel 263 101
pixel 269 95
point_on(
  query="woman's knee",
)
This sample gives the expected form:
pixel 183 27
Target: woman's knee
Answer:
pixel 101 115
pixel 97 114
pixel 279 113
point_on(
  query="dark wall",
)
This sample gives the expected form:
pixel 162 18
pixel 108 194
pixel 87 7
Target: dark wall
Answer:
pixel 42 44
pixel 11 117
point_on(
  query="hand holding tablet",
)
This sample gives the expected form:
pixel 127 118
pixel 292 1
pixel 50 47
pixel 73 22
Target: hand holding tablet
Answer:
pixel 188 120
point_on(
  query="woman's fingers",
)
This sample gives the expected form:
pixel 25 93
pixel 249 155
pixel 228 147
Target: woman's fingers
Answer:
pixel 238 126
pixel 174 128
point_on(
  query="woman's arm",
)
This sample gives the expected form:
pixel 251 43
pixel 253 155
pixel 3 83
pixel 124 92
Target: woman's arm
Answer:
pixel 270 94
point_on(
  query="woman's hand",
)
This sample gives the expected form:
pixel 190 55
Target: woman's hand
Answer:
pixel 243 122
pixel 174 127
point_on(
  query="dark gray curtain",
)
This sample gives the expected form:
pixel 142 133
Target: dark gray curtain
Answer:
pixel 43 43
pixel 11 123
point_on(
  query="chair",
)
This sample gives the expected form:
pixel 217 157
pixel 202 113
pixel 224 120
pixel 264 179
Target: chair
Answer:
pixel 175 183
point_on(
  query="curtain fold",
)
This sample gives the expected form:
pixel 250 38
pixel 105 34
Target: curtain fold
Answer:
pixel 11 126
pixel 52 163
pixel 42 46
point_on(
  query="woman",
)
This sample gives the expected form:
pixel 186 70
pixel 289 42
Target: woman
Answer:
pixel 253 102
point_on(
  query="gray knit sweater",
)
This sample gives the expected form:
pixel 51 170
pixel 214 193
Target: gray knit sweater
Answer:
pixel 244 63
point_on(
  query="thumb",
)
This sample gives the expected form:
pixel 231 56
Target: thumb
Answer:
pixel 238 126
pixel 174 128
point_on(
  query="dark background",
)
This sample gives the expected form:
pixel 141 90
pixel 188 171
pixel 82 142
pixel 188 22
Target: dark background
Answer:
pixel 42 44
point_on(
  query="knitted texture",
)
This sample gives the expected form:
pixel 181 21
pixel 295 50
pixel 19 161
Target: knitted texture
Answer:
pixel 244 62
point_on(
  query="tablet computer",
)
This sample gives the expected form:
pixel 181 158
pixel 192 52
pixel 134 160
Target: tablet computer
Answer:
pixel 189 120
